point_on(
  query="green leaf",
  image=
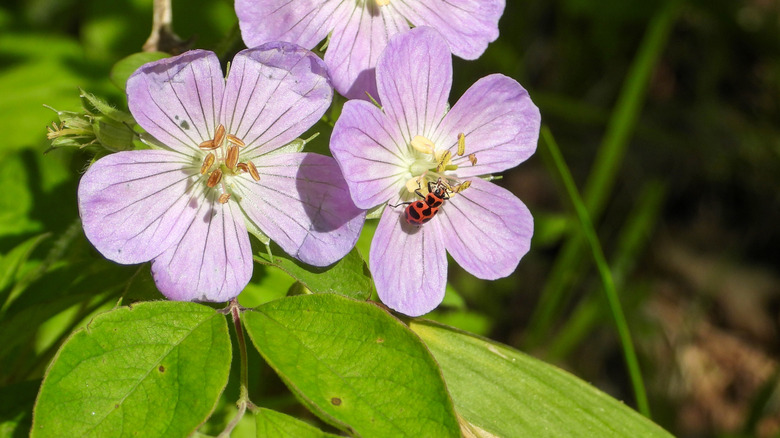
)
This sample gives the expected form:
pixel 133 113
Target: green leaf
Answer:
pixel 349 276
pixel 355 365
pixel 157 368
pixel 11 262
pixel 272 424
pixel 16 403
pixel 506 393
pixel 125 67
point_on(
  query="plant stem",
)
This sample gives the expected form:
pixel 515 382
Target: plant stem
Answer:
pixel 243 398
pixel 603 175
pixel 604 272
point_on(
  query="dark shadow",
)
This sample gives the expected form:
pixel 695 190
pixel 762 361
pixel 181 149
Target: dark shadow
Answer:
pixel 324 193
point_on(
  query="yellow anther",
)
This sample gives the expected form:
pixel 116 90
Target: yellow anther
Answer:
pixel 414 183
pixel 235 140
pixel 462 186
pixel 232 158
pixel 223 198
pixel 445 159
pixel 382 2
pixel 214 178
pixel 252 170
pixel 219 135
pixel 208 145
pixel 207 163
pixel 473 159
pixel 461 144
pixel 423 145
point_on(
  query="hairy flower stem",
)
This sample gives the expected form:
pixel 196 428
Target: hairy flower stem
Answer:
pixel 243 398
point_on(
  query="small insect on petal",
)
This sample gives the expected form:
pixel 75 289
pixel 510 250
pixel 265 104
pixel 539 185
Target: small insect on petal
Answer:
pixel 219 135
pixel 461 144
pixel 235 140
pixel 232 158
pixel 252 170
pixel 473 159
pixel 223 198
pixel 214 178
pixel 208 145
pixel 207 162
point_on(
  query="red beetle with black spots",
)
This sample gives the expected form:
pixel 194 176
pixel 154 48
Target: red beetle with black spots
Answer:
pixel 420 212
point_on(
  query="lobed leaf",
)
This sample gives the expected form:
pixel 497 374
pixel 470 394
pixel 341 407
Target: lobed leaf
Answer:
pixel 272 424
pixel 499 391
pixel 354 365
pixel 154 369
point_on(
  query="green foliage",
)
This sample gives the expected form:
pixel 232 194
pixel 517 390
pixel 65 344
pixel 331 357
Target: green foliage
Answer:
pixel 122 70
pixel 157 367
pixel 349 276
pixel 356 366
pixel 272 424
pixel 506 393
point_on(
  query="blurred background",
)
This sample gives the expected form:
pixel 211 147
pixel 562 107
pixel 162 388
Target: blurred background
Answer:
pixel 666 112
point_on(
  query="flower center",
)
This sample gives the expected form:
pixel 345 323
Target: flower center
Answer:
pixel 431 165
pixel 223 160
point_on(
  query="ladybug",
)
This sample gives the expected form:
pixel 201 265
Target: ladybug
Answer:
pixel 420 212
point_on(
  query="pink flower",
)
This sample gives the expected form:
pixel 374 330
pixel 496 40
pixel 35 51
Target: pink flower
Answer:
pixel 388 153
pixel 220 170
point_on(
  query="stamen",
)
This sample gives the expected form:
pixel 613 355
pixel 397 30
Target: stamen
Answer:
pixel 445 160
pixel 223 198
pixel 242 167
pixel 207 162
pixel 414 183
pixel 382 2
pixel 473 159
pixel 461 187
pixel 252 170
pixel 423 145
pixel 214 178
pixel 232 157
pixel 461 144
pixel 219 135
pixel 208 145
pixel 235 140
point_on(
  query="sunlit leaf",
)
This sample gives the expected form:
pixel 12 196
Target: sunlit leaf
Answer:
pixel 505 393
pixel 355 365
pixel 272 424
pixel 156 369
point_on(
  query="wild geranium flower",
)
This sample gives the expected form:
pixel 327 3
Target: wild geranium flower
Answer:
pixel 390 153
pixel 360 29
pixel 220 169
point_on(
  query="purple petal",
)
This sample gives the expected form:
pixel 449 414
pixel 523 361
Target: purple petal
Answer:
pixel 302 203
pixel 467 25
pixel 212 262
pixel 274 93
pixel 303 22
pixel 500 122
pixel 414 76
pixel 355 46
pixel 134 204
pixel 486 229
pixel 370 152
pixel 408 263
pixel 177 99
